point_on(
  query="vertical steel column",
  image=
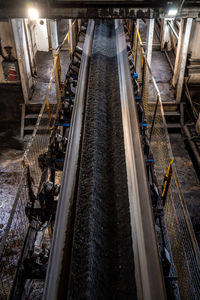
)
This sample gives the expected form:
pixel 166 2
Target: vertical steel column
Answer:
pixel 54 45
pixel 54 36
pixel 18 31
pixel 130 28
pixel 178 52
pixel 162 33
pixel 139 55
pixel 135 41
pixel 149 40
pixel 79 25
pixel 148 52
pixel 71 37
pixel 183 60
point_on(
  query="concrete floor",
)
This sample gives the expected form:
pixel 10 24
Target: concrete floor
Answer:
pixel 11 151
pixel 44 62
pixel 163 75
pixel 160 66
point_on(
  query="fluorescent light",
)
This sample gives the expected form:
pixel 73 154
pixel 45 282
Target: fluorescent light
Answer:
pixel 172 12
pixel 33 13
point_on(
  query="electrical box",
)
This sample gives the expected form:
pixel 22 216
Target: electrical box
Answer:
pixel 11 70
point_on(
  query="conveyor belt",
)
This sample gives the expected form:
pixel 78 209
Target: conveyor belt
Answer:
pixel 104 245
pixel 102 264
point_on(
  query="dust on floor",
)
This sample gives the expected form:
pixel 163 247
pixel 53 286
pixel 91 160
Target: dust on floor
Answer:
pixel 11 150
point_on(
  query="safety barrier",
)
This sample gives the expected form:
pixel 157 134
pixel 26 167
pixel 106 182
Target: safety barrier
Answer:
pixel 183 242
pixel 18 223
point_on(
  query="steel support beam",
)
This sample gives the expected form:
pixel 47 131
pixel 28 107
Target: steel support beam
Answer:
pixel 19 37
pixel 71 40
pixel 149 40
pixel 114 9
pixel 172 29
pixel 178 52
pixel 184 52
pixel 148 53
pixel 54 45
pixel 135 39
pixel 162 33
pixel 54 36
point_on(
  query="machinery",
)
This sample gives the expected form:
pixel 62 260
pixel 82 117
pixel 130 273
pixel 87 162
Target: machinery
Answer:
pixel 99 226
pixel 107 233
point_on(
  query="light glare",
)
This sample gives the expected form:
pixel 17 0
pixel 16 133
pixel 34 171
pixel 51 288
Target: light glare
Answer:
pixel 33 13
pixel 172 12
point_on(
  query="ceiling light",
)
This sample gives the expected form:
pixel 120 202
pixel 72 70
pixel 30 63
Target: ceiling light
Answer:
pixel 33 13
pixel 172 12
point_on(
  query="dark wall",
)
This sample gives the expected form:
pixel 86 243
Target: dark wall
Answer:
pixel 11 97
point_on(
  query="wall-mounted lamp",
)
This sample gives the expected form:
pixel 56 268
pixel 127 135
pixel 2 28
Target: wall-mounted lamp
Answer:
pixel 33 13
pixel 172 12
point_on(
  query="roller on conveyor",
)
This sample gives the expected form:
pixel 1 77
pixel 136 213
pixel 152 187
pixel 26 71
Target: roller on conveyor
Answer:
pixel 104 244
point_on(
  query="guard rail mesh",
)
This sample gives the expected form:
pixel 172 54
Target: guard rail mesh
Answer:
pixel 183 242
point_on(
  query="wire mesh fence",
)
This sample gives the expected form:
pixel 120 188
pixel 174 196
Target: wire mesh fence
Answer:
pixel 39 142
pixel 17 226
pixel 184 246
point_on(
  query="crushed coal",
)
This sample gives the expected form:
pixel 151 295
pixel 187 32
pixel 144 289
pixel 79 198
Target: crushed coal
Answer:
pixel 102 259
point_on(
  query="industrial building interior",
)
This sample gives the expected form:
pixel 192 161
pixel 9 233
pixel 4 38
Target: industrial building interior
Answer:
pixel 99 150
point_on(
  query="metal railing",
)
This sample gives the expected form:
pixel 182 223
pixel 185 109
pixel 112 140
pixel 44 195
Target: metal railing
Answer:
pixel 183 242
pixel 12 242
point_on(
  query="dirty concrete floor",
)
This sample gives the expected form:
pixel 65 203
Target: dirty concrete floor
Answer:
pixel 11 150
pixel 11 97
pixel 188 179
pixel 163 75
pixel 160 66
pixel 44 62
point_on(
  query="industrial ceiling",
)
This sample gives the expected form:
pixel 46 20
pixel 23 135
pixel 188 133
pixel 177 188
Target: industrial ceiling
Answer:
pixel 98 8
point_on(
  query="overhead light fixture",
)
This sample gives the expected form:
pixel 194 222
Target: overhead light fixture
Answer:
pixel 33 13
pixel 172 12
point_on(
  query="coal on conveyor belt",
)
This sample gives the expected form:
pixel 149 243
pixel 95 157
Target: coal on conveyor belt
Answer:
pixel 102 262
